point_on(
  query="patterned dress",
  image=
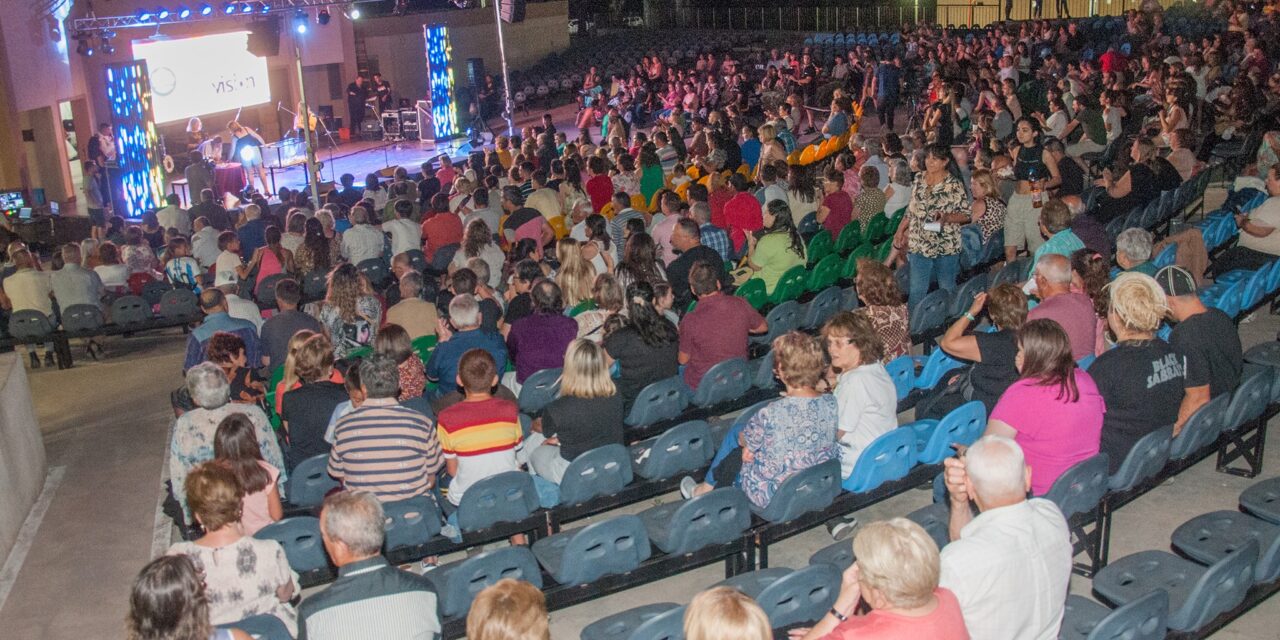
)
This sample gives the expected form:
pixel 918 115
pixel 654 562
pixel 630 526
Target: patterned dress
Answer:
pixel 890 323
pixel 193 443
pixel 992 219
pixel 349 336
pixel 926 203
pixel 786 437
pixel 241 579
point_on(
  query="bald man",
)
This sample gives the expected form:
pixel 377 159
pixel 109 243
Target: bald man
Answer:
pixel 1073 311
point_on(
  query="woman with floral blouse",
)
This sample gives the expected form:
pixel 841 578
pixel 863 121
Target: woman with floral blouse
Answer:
pixel 930 231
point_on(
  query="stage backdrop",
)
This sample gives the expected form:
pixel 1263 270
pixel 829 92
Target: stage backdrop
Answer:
pixel 203 75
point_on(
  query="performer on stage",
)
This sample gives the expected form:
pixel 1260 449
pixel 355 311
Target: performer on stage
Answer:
pixel 382 89
pixel 357 97
pixel 247 150
pixel 195 134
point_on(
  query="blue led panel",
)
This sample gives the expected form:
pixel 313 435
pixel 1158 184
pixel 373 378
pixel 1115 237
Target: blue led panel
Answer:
pixel 444 112
pixel 139 176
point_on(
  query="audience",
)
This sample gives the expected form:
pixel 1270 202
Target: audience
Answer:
pixel 883 305
pixel 778 248
pixel 169 601
pixel 460 333
pixel 305 409
pixel 217 320
pixel 349 312
pixel 1205 340
pixel 1073 311
pixel 725 613
pixel 587 414
pixel 509 610
pixel 236 446
pixel 417 316
pixel 717 329
pixel 538 341
pixel 644 344
pixel 994 354
pixel 686 240
pixel 286 322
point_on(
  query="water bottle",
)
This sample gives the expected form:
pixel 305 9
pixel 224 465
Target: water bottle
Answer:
pixel 1037 200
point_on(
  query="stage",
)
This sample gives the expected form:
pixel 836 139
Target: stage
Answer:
pixel 362 157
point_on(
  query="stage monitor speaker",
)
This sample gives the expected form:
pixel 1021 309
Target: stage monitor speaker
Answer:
pixel 475 72
pixel 511 10
pixel 264 37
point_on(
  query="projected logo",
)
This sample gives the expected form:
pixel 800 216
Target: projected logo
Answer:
pixel 207 74
pixel 137 150
pixel 444 113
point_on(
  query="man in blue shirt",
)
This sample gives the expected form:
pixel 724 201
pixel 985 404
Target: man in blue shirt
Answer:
pixel 216 319
pixel 253 232
pixel 838 121
pixel 887 80
pixel 464 316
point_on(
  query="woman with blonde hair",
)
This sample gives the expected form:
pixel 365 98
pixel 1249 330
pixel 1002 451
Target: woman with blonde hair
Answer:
pixel 988 208
pixel 576 275
pixel 509 610
pixel 897 575
pixel 1136 404
pixel 724 613
pixel 586 416
pixel 608 296
pixel 771 148
pixel 349 311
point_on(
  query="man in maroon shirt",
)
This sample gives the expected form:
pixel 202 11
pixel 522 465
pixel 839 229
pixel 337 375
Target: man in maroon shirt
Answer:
pixel 718 327
pixel 599 186
pixel 742 213
pixel 836 209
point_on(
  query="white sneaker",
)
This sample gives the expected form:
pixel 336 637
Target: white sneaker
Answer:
pixel 842 528
pixel 450 531
pixel 687 485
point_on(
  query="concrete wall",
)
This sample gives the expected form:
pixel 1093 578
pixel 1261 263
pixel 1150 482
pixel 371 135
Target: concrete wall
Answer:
pixel 22 460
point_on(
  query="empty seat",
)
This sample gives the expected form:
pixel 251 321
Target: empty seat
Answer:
pixel 933 368
pixel 458 583
pixel 838 555
pixel 753 583
pixel 888 457
pixel 802 596
pixel 1201 429
pixel 153 290
pixel 506 497
pixel 1080 488
pixel 1208 538
pixel 82 319
pixel 930 314
pixel 1249 400
pixel 1197 594
pixel 683 449
pixel 599 472
pixel 29 324
pixel 300 538
pixel 375 269
pixel 723 382
pixel 1147 458
pixel 310 481
pixel 579 556
pixel 132 310
pixel 539 390
pixel 658 401
pixel 809 490
pixel 718 517
pixel 964 425
pixel 964 295
pixel 410 523
pixel 1145 618
pixel 903 372
pixel 1263 500
pixel 935 519
pixel 822 307
pixel 660 621
pixel 781 319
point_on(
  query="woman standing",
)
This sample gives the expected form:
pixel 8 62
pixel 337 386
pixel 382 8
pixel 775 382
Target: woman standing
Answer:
pixel 1036 173
pixel 930 231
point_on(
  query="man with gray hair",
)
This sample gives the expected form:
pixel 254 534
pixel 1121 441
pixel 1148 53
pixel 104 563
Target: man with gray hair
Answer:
pixel 460 333
pixel 1072 310
pixel 711 235
pixel 1010 566
pixel 370 598
pixel 362 241
pixel 1133 251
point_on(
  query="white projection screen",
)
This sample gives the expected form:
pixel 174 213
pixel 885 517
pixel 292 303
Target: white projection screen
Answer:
pixel 206 74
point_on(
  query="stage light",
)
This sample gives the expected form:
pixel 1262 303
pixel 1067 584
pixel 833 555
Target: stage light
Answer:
pixel 322 16
pixel 229 8
pixel 353 13
pixel 246 8
pixel 107 47
pixel 206 10
pixel 162 13
pixel 184 12
pixel 84 48
pixel 264 8
pixel 300 22
pixel 143 15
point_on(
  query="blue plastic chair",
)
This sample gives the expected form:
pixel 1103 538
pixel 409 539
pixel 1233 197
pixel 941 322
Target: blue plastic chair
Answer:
pixel 1249 400
pixel 660 621
pixel 1166 257
pixel 930 314
pixel 458 583
pixel 824 305
pixel 964 425
pixel 658 401
pixel 887 458
pixel 539 390
pixel 685 448
pixel 718 517
pixel 933 368
pixel 1147 458
pixel 809 490
pixel 601 471
pixel 582 555
pixel 410 523
pixel 764 378
pixel 1197 594
pixel 935 519
pixel 1208 538
pixel 781 319
pixel 300 538
pixel 1146 618
pixel 802 596
pixel 964 295
pixel 1086 362
pixel 903 372
pixel 131 310
pixel 723 382
pixel 263 626
pixel 506 497
pixel 1080 488
pixel 838 555
pixel 1201 429
pixel 310 481
pixel 1262 499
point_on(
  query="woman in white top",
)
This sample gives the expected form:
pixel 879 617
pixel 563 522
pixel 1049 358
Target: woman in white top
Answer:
pixel 866 400
pixel 803 195
pixel 477 242
pixel 598 247
pixel 898 193
pixel 1172 118
pixel 374 190
pixel 1112 116
pixel 114 274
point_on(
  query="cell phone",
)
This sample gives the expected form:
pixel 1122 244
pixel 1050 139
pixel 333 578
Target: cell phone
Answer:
pixel 961 449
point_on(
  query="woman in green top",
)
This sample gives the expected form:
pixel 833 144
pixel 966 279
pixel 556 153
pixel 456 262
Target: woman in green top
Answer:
pixel 777 247
pixel 1086 133
pixel 651 178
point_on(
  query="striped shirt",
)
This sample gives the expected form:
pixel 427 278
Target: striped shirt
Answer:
pixel 483 436
pixel 386 449
pixel 371 599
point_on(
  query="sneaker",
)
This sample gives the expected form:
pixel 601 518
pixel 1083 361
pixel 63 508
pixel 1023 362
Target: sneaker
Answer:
pixel 842 528
pixel 687 485
pixel 428 564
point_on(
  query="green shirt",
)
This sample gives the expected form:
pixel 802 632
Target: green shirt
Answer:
pixel 1091 119
pixel 774 256
pixel 1147 267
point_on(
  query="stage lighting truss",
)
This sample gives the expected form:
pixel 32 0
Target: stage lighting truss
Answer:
pixel 182 13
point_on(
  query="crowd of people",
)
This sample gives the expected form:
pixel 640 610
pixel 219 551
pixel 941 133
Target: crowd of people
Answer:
pixel 615 263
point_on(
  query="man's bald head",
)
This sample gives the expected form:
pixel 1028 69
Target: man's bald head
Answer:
pixel 997 471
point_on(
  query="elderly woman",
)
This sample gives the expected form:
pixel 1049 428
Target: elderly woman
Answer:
pixel 1133 251
pixel 608 297
pixel 1136 404
pixel 169 601
pixel 349 312
pixel 725 613
pixel 193 432
pixel 791 434
pixel 930 231
pixel 587 414
pixel 993 354
pixel 897 574
pixel 777 248
pixel 883 305
pixel 898 191
pixel 243 576
pixel 509 610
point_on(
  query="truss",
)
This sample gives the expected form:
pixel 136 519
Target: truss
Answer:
pixel 95 23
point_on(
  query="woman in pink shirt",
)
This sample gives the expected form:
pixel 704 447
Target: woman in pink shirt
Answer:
pixel 897 575
pixel 1054 411
pixel 236 446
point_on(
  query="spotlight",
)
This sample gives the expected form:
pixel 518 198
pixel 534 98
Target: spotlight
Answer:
pixel 322 16
pixel 246 8
pixel 143 15
pixel 264 7
pixel 229 8
pixel 353 13
pixel 84 48
pixel 300 22
pixel 184 12
pixel 162 13
pixel 107 47
pixel 206 10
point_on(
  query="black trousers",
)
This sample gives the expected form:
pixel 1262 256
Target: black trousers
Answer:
pixel 1239 258
pixel 886 110
pixel 726 473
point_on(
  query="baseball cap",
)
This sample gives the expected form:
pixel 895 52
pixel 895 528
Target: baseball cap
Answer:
pixel 1176 281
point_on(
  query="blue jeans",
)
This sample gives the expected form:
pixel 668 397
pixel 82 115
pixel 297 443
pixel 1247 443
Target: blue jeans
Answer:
pixel 922 270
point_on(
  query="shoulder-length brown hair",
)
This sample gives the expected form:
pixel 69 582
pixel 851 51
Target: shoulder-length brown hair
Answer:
pixel 876 284
pixel 1046 357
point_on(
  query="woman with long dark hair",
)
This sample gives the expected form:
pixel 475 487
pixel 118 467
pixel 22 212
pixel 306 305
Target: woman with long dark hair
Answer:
pixel 477 242
pixel 777 247
pixel 1036 173
pixel 640 261
pixel 316 252
pixel 235 446
pixel 1054 411
pixel 168 602
pixel 930 230
pixel 598 249
pixel 645 344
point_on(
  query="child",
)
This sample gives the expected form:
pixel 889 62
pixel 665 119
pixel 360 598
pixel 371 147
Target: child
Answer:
pixel 479 436
pixel 356 394
pixel 664 299
pixel 229 268
pixel 182 269
pixel 235 445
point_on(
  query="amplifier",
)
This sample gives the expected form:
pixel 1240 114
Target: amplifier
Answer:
pixel 409 123
pixel 370 129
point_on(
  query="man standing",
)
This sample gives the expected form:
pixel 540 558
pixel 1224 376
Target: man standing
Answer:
pixel 1205 339
pixel 199 175
pixel 885 88
pixel 357 97
pixel 382 89
pixel 370 598
pixel 97 199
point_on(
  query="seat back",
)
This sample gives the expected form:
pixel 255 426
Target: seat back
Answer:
pixel 177 305
pixel 417 260
pixel 265 292
pixel 822 306
pixel 764 378
pixel 1209 537
pixel 964 295
pixel 903 372
pixel 970 246
pixel 310 481
pixel 937 365
pixel 612 546
pixel 753 291
pixel 658 401
pixel 723 382
pixel 442 257
pixel 506 497
pixel 1013 272
pixel 300 538
pixel 826 272
pixel 935 519
pixel 646 622
pixel 930 313
pixel 804 595
pixel 790 285
pixel 964 425
pixel 28 324
pixel 1201 429
pixel 82 319
pixel 683 449
pixel 131 310
pixel 1167 256
pixel 782 318
pixel 599 472
pixel 1219 589
pixel 1081 486
pixel 539 390
pixel 839 555
pixel 458 585
pixel 888 457
pixel 1147 458
pixel 809 490
pixel 153 290
pixel 718 517
pixel 820 246
pixel 1143 619
pixel 1249 400
pixel 375 269
pixel 314 284
pixel 410 523
pixel 263 626
pixel 850 237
